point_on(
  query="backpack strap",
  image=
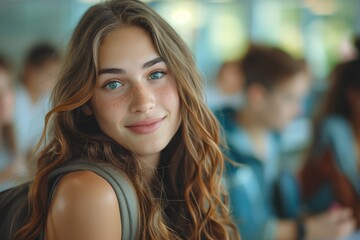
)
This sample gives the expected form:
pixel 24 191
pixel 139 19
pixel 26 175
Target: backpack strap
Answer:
pixel 126 195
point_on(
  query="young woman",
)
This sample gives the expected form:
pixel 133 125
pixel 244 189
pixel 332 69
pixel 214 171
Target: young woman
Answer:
pixel 11 164
pixel 331 174
pixel 129 95
pixel 264 199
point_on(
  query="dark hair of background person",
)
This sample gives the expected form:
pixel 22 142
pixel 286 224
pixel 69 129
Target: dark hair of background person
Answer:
pixel 40 54
pixel 269 66
pixel 344 77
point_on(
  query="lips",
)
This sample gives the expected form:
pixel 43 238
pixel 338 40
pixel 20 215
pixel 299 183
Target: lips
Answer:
pixel 146 126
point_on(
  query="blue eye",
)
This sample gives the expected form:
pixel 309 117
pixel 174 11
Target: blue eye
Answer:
pixel 113 85
pixel 156 75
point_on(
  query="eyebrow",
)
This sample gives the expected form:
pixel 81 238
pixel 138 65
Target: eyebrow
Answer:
pixel 152 62
pixel 122 71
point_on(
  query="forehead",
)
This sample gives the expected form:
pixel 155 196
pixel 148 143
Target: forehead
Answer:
pixel 127 43
pixel 298 84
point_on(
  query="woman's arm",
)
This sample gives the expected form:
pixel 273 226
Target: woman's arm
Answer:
pixel 84 207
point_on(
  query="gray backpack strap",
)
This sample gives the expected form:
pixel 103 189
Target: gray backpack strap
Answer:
pixel 126 195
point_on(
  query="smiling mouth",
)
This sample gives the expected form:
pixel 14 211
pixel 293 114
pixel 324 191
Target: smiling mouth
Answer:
pixel 146 126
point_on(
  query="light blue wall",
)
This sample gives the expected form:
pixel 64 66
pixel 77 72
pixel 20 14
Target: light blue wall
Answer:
pixel 25 22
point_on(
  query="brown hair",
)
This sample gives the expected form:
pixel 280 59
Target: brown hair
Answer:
pixel 345 76
pixel 41 53
pixel 191 202
pixel 269 66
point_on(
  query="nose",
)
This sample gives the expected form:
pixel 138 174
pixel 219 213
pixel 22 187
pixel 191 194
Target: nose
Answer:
pixel 142 99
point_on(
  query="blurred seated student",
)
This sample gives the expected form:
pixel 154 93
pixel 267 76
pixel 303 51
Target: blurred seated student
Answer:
pixel 264 200
pixel 41 66
pixel 330 176
pixel 228 87
pixel 11 164
pixel 296 135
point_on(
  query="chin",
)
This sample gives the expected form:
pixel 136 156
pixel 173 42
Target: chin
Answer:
pixel 149 149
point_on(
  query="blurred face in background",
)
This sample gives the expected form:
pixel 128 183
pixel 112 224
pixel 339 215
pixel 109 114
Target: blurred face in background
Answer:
pixel 281 104
pixel 48 74
pixel 230 79
pixel 6 98
pixel 42 78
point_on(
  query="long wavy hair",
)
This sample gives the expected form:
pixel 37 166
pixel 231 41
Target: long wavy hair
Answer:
pixel 186 200
pixel 344 77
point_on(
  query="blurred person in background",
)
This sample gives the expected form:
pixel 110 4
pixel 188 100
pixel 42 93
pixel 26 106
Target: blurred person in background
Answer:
pixel 296 135
pixel 11 164
pixel 228 87
pixel 330 177
pixel 40 70
pixel 265 200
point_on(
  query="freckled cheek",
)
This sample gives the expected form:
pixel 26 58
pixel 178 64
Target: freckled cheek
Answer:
pixel 110 110
pixel 168 96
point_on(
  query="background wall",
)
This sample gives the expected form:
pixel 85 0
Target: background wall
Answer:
pixel 320 31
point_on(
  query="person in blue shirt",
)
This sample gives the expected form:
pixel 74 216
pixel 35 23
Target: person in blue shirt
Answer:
pixel 13 166
pixel 263 206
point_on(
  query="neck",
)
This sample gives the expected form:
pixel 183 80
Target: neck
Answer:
pixel 34 95
pixel 255 129
pixel 33 92
pixel 149 165
pixel 250 121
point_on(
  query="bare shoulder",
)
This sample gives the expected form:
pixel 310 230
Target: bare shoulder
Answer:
pixel 84 207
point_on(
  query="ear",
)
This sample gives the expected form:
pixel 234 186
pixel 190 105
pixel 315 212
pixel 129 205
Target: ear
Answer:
pixel 86 109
